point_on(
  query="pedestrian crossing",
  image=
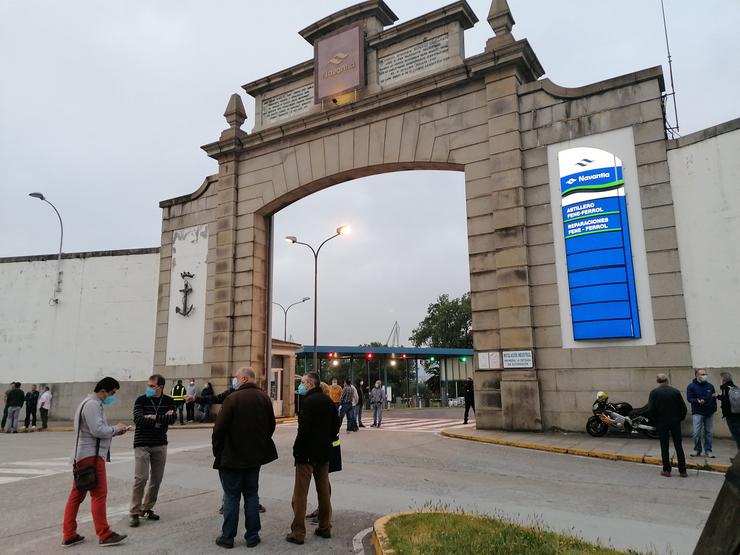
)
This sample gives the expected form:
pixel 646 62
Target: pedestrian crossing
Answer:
pixel 401 424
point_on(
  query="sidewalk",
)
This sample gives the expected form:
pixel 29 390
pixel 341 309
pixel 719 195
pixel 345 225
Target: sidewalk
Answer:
pixel 612 447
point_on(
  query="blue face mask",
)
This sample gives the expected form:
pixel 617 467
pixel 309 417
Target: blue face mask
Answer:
pixel 109 400
pixel 302 389
pixel 150 392
pixel 234 383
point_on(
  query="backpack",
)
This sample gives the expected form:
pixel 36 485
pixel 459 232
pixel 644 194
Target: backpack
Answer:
pixel 733 395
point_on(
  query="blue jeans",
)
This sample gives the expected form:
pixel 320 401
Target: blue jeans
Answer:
pixel 377 413
pixel 238 483
pixel 703 426
pixel 12 423
pixel 346 408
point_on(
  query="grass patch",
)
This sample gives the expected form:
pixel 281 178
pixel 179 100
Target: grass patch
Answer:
pixel 444 533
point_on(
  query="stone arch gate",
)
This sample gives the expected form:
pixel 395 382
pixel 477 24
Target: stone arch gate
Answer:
pixel 417 102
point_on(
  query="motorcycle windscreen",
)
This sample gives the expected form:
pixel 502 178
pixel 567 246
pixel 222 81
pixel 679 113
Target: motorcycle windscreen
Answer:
pixel 601 280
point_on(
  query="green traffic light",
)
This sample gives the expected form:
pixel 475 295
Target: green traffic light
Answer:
pixel 463 359
pixel 431 359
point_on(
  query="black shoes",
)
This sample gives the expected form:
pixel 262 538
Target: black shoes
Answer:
pixel 254 543
pixel 134 521
pixel 261 509
pixel 223 543
pixel 323 533
pixel 113 539
pixel 151 515
pixel 73 541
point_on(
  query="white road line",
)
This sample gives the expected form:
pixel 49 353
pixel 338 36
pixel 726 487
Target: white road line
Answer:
pixel 29 471
pixel 357 541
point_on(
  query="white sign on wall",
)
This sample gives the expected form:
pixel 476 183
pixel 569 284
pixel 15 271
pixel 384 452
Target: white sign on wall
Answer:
pixel 518 359
pixel 187 310
pixel 489 361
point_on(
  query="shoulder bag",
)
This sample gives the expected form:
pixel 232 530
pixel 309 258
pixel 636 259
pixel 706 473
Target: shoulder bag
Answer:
pixel 85 478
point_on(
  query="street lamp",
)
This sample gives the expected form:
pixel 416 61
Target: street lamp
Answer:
pixel 341 230
pixel 285 313
pixel 58 288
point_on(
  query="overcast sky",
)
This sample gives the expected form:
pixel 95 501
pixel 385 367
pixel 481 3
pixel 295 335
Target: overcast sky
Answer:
pixel 104 105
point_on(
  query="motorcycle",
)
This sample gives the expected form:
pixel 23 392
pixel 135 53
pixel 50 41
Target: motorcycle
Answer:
pixel 620 417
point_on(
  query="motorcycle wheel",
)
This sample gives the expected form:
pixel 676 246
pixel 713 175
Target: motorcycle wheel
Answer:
pixel 596 427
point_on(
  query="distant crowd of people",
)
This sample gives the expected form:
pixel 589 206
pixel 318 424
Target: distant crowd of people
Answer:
pixel 34 401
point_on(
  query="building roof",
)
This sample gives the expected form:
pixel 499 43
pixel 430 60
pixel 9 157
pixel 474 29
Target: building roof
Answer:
pixel 418 352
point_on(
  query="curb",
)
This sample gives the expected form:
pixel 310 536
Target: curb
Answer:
pixel 381 542
pixel 643 459
pixel 173 427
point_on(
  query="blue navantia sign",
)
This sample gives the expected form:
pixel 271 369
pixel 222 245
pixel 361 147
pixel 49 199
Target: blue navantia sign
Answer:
pixel 601 279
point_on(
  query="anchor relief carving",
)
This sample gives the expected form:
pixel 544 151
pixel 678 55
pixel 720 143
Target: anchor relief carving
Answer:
pixel 185 310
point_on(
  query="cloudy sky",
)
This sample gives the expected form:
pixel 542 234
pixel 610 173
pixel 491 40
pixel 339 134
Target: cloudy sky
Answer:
pixel 104 105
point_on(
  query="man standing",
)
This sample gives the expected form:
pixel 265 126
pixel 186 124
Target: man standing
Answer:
pixel 345 406
pixel 178 396
pixel 44 407
pixel 377 402
pixel 32 400
pixel 335 392
pixel 318 426
pixel 667 411
pixel 360 402
pixel 242 443
pixel 732 418
pixel 190 390
pixel 15 399
pixel 700 393
pixel 153 413
pixel 93 449
pixel 5 406
pixel 469 398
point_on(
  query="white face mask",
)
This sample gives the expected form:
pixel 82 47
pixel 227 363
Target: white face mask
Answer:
pixel 377 384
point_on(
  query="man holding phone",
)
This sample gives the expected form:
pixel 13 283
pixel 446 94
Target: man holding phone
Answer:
pixel 153 413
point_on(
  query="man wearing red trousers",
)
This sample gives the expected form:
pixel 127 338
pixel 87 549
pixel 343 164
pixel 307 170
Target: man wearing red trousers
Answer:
pixel 93 449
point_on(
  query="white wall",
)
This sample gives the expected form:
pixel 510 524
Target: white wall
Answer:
pixel 705 178
pixel 103 325
pixel 186 334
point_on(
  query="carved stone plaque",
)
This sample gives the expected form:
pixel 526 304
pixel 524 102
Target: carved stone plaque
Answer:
pixel 287 104
pixel 415 59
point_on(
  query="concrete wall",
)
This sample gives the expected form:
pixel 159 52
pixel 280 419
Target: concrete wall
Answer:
pixel 102 326
pixel 705 170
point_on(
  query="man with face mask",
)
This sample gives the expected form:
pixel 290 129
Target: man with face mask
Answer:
pixel 700 393
pixel 154 412
pixel 377 402
pixel 360 401
pixel 92 448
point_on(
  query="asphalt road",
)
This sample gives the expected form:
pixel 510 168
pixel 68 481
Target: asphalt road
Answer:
pixel 404 465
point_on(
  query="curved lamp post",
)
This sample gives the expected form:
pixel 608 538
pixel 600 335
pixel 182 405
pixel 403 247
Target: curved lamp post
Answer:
pixel 285 313
pixel 58 287
pixel 341 230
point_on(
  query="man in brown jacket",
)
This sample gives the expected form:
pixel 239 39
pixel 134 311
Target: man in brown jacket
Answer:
pixel 242 442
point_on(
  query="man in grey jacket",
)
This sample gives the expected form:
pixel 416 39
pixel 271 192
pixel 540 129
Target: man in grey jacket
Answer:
pixel 92 448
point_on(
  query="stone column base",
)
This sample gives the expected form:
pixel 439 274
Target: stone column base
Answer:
pixel 520 401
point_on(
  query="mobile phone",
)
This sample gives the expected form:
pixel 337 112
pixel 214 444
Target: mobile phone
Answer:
pixel 129 427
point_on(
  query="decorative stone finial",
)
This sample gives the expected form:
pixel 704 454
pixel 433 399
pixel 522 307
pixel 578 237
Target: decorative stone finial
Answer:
pixel 235 116
pixel 501 21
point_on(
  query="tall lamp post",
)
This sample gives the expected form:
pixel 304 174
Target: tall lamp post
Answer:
pixel 341 230
pixel 285 313
pixel 58 287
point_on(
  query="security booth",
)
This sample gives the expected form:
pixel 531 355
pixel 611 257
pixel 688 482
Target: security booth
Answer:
pixel 398 368
pixel 281 376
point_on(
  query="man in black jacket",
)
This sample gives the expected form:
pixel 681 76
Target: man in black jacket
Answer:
pixel 667 411
pixel 32 400
pixel 318 426
pixel 242 443
pixel 154 412
pixel 469 398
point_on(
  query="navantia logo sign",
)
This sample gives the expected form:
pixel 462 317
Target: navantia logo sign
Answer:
pixel 601 278
pixel 339 63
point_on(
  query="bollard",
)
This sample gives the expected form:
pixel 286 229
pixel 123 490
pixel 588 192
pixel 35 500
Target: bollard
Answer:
pixel 721 534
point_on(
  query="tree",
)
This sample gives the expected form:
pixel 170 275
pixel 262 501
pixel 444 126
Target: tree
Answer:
pixel 448 324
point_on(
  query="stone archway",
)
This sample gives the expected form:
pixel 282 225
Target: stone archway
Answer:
pixel 420 104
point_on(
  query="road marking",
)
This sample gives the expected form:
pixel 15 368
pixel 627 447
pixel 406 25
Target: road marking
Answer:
pixel 430 425
pixel 357 541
